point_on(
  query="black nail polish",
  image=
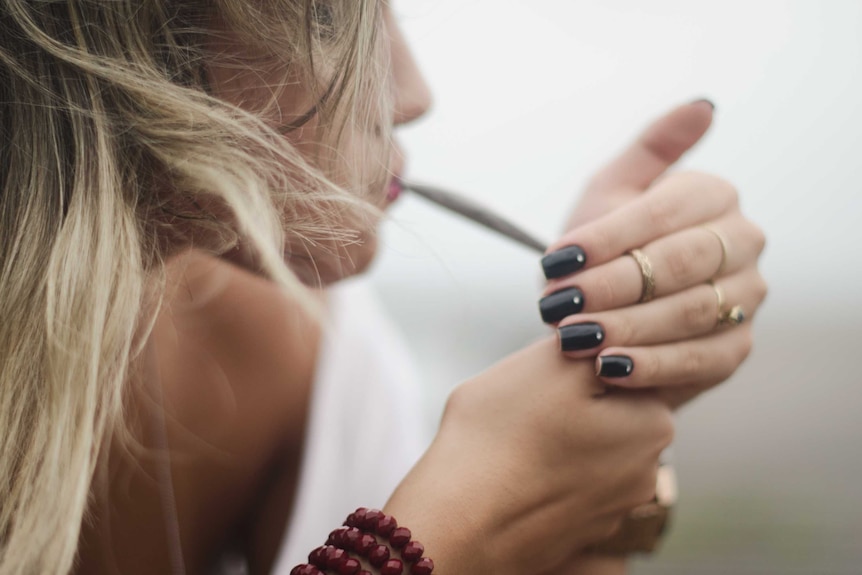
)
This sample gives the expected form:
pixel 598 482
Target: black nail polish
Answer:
pixel 563 262
pixel 615 366
pixel 560 304
pixel 708 101
pixel 580 336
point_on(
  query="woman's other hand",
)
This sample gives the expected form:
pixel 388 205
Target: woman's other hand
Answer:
pixel 690 228
pixel 532 461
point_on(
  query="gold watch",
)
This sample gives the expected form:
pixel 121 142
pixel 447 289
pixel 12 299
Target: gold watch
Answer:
pixel 643 528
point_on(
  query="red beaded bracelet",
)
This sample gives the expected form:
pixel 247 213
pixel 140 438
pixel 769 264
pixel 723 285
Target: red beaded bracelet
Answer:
pixel 358 536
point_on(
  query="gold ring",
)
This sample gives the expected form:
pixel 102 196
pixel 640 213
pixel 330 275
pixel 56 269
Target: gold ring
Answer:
pixel 733 316
pixel 723 243
pixel 648 289
pixel 730 317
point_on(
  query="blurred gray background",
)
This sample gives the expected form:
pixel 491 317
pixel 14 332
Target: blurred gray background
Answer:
pixel 532 96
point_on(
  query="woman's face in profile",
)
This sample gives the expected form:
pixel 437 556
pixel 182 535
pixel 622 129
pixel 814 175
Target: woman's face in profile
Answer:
pixel 252 89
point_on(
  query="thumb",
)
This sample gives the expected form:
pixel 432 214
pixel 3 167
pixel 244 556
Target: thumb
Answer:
pixel 654 151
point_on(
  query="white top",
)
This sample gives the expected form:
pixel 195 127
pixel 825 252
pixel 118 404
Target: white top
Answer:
pixel 365 427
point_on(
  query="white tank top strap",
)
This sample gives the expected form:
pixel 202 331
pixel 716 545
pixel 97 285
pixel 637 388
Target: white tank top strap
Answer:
pixel 365 427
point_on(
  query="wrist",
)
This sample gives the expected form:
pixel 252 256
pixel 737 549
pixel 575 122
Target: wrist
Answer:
pixel 454 527
pixel 369 541
pixel 450 538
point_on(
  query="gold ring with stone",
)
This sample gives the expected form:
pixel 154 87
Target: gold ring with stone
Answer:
pixel 733 316
pixel 723 243
pixel 648 289
pixel 730 317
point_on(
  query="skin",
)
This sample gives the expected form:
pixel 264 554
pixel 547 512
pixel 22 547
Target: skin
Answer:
pixel 235 402
pixel 255 88
pixel 674 339
pixel 626 179
pixel 231 362
pixel 616 199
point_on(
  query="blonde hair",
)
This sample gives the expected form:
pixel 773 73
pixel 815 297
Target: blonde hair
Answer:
pixel 114 154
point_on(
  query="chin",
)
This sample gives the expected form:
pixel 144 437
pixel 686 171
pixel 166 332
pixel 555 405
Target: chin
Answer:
pixel 327 269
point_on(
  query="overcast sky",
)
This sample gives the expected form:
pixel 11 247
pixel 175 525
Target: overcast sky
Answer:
pixel 532 95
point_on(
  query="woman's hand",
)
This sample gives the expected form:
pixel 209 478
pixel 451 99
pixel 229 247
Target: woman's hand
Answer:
pixel 532 461
pixel 624 181
pixel 690 228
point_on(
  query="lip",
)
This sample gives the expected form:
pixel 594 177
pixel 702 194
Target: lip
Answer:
pixel 395 187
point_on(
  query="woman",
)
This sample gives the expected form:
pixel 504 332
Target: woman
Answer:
pixel 177 176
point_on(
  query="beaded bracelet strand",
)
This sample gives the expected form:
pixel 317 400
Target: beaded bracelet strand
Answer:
pixel 359 535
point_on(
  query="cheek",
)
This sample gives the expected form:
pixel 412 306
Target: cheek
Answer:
pixel 363 166
pixel 360 164
pixel 261 87
pixel 363 175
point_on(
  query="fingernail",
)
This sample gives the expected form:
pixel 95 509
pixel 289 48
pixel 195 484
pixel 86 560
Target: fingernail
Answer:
pixel 560 304
pixel 705 100
pixel 614 366
pixel 579 336
pixel 563 262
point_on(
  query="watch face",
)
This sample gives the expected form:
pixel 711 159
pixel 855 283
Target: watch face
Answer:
pixel 665 486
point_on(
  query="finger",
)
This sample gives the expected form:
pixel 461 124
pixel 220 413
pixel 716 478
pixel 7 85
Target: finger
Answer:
pixel 666 208
pixel 690 314
pixel 655 150
pixel 700 362
pixel 679 261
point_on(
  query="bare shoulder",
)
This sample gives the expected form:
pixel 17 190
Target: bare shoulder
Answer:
pixel 256 344
pixel 237 356
pixel 231 360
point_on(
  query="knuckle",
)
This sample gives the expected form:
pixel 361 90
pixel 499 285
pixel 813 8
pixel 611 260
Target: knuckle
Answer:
pixel 692 364
pixel 601 244
pixel 761 289
pixel 662 214
pixel 646 488
pixel 746 344
pixel 699 313
pixel 661 425
pixel 680 262
pixel 723 189
pixel 759 238
pixel 624 331
pixel 708 183
pixel 649 368
pixel 686 179
pixel 603 292
pixel 640 486
pixel 735 355
pixel 665 428
pixel 731 193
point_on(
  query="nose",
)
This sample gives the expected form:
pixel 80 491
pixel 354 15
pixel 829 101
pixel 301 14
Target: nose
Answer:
pixel 412 95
